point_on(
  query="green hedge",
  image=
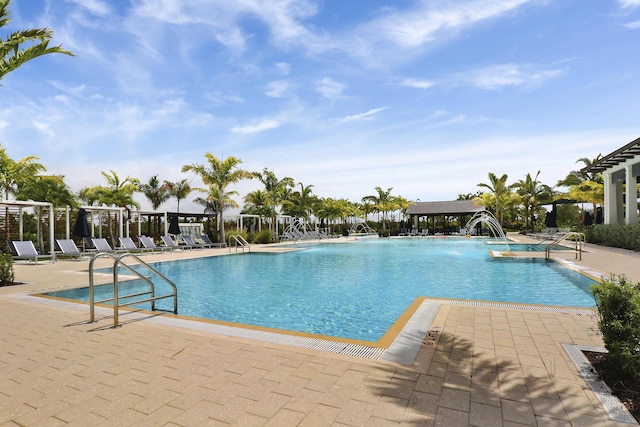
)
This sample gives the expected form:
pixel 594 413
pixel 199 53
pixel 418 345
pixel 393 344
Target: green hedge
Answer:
pixel 615 235
pixel 618 303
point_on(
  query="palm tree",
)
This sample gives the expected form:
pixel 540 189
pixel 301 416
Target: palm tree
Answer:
pixel 13 55
pixel 218 175
pixel 276 190
pixel 383 202
pixel 13 176
pixel 577 177
pixel 532 193
pixel 499 194
pixel 257 203
pixel 179 189
pixel 117 192
pixel 157 194
pixel 300 203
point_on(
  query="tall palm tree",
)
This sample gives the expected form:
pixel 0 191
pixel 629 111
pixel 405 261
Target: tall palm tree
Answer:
pixel 257 203
pixel 157 194
pixel 13 175
pixel 577 177
pixel 300 203
pixel 12 54
pixel 218 175
pixel 383 202
pixel 500 192
pixel 532 193
pixel 276 190
pixel 179 189
pixel 118 192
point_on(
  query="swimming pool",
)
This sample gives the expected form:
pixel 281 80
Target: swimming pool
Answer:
pixel 358 290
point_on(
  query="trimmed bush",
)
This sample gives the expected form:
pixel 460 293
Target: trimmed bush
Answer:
pixel 625 236
pixel 7 274
pixel 262 237
pixel 618 304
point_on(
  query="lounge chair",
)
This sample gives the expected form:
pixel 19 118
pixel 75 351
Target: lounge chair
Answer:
pixel 208 241
pixel 102 245
pixel 169 243
pixel 24 249
pixel 70 250
pixel 425 232
pixel 148 243
pixel 128 244
pixel 190 242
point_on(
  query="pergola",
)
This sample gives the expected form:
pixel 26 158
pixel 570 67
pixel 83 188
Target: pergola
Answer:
pixel 619 168
pixel 456 208
pixel 21 205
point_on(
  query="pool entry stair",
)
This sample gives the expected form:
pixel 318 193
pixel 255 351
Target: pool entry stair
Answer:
pixel 119 300
pixel 238 242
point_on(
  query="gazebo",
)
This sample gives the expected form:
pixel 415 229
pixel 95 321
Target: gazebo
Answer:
pixel 431 210
pixel 619 168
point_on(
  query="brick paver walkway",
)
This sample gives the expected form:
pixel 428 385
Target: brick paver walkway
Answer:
pixel 490 367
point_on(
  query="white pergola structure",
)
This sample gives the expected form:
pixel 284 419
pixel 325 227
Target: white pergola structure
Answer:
pixel 21 205
pixel 619 168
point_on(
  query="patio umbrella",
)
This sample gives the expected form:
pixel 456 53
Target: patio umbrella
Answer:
pixel 81 227
pixel 174 228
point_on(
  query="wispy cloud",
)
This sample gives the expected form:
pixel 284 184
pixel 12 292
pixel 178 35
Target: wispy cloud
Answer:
pixel 330 88
pixel 628 3
pixel 260 126
pixel 367 115
pixel 277 89
pixel 419 84
pixel 498 76
pixel 632 25
pixel 96 7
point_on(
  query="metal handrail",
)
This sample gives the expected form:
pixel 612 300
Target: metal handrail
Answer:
pixel 579 241
pixel 118 261
pixel 239 242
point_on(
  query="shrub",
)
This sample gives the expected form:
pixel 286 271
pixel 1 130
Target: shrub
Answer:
pixel 7 274
pixel 262 237
pixel 625 236
pixel 618 304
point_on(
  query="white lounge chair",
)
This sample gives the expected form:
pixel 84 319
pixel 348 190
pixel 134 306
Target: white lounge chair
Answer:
pixel 130 245
pixel 102 245
pixel 70 250
pixel 169 243
pixel 190 242
pixel 25 250
pixel 148 243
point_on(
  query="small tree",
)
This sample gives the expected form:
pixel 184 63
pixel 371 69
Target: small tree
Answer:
pixel 618 304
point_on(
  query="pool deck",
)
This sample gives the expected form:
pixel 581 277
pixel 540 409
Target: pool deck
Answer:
pixel 488 365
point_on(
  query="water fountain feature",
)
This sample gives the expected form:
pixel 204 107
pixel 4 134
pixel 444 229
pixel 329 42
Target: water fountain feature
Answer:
pixel 487 218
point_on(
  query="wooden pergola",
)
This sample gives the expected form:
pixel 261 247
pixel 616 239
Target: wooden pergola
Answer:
pixel 430 210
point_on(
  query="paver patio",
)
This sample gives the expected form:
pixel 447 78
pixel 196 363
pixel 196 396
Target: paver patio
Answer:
pixel 491 366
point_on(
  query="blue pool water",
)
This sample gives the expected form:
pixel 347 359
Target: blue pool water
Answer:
pixel 358 290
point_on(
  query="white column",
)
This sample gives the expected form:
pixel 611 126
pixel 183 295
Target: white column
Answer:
pixel 610 205
pixel 631 211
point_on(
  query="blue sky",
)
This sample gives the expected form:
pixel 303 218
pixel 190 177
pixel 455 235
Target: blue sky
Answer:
pixel 425 96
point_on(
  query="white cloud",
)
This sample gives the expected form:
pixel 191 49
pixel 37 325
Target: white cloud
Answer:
pixel 330 88
pixel 96 7
pixel 367 115
pixel 257 127
pixel 497 76
pixel 419 84
pixel 628 3
pixel 632 25
pixel 277 89
pixel 283 68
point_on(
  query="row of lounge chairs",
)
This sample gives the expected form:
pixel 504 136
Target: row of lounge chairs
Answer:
pixel 67 248
pixel 413 232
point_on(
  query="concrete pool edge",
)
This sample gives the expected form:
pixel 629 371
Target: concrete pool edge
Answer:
pixel 418 332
